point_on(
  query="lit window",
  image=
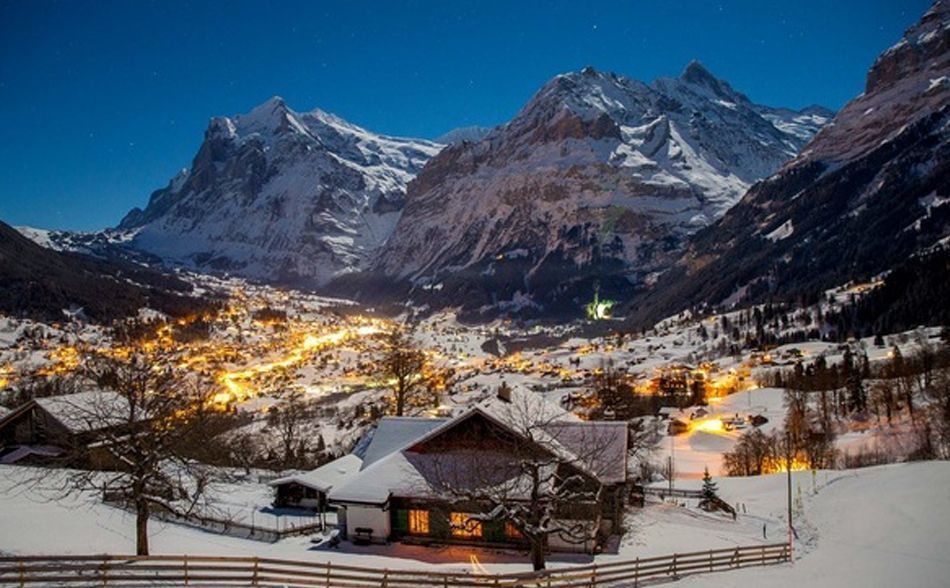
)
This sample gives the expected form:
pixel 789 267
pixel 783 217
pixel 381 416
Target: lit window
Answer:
pixel 419 522
pixel 464 527
pixel 512 531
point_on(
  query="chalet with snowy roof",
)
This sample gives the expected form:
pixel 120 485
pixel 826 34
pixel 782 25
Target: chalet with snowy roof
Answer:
pixel 438 480
pixel 50 429
pixel 310 489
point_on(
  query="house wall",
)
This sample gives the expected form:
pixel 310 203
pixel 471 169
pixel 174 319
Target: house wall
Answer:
pixel 370 517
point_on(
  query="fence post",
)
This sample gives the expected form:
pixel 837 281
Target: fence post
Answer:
pixel 184 561
pixel 104 571
pixel 674 566
pixel 254 578
pixel 593 577
pixel 736 558
pixel 22 575
pixel 710 560
pixel 385 577
pixel 636 573
pixel 329 564
pixel 763 555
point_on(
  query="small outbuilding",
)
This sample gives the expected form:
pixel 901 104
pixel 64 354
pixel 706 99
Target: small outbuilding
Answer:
pixel 310 489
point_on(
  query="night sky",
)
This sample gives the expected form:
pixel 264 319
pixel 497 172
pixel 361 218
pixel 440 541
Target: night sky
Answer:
pixel 102 102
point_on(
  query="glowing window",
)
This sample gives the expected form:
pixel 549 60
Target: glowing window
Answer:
pixel 464 527
pixel 512 531
pixel 419 522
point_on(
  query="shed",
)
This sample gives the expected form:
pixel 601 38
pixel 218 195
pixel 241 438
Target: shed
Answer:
pixel 310 489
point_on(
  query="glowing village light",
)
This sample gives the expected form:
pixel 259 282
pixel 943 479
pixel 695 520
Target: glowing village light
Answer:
pixel 713 425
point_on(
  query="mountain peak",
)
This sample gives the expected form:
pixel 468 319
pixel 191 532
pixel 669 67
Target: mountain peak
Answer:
pixel 696 73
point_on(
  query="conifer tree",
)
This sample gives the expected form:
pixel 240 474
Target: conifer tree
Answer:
pixel 709 496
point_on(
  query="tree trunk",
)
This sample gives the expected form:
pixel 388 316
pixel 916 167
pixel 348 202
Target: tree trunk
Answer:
pixel 537 554
pixel 400 399
pixel 141 527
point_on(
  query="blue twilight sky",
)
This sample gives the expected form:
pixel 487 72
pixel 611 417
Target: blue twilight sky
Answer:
pixel 102 101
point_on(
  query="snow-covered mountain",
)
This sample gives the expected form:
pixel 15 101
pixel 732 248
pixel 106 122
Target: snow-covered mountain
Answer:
pixel 463 134
pixel 281 196
pixel 871 189
pixel 599 176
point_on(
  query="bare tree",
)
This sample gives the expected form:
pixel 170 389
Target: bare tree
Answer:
pixel 538 473
pixel 143 433
pixel 403 363
pixel 751 455
pixel 289 420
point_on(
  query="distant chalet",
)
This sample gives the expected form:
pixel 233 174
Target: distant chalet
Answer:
pixel 64 430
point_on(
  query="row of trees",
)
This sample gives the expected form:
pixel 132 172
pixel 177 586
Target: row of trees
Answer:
pixel 821 399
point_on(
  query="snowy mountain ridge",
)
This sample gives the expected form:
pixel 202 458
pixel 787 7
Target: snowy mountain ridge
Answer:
pixel 869 192
pixel 596 171
pixel 281 196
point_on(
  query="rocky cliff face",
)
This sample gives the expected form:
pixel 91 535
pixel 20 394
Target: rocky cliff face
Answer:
pixel 599 177
pixel 281 196
pixel 871 189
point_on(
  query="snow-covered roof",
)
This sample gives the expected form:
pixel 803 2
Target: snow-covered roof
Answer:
pixel 599 447
pixel 395 433
pixel 25 451
pixel 83 412
pixel 325 477
pixel 412 474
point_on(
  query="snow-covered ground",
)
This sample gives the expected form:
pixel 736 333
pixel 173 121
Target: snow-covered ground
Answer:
pixel 884 526
pixel 880 526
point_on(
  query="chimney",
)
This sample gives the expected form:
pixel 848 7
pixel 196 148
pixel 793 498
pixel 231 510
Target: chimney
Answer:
pixel 504 392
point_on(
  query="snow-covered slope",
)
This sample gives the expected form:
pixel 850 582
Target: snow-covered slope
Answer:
pixel 282 196
pixel 871 528
pixel 596 171
pixel 868 191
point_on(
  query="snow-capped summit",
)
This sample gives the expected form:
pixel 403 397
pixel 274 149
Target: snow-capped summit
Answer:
pixel 280 195
pixel 598 174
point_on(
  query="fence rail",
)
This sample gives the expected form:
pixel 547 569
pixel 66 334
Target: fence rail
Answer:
pixel 182 570
pixel 675 492
pixel 232 528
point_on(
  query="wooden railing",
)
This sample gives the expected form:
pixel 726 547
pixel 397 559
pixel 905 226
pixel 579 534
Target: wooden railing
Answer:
pixel 675 492
pixel 180 570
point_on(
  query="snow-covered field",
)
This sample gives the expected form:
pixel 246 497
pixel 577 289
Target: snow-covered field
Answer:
pixel 880 526
pixel 877 527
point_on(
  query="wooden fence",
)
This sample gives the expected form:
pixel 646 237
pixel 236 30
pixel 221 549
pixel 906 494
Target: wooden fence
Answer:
pixel 179 570
pixel 226 526
pixel 674 493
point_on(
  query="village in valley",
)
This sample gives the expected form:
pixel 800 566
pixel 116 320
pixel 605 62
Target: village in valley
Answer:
pixel 311 428
pixel 499 294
